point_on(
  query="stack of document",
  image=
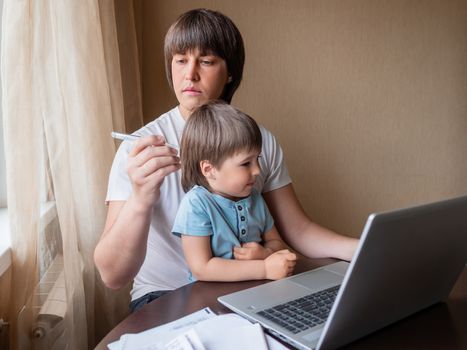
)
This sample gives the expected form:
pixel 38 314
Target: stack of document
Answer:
pixel 201 330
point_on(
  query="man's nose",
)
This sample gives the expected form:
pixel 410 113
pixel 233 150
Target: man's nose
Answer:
pixel 191 72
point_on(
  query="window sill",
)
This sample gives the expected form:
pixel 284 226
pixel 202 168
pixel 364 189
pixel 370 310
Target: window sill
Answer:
pixel 48 212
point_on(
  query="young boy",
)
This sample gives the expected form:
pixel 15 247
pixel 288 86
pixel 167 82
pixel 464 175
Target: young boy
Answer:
pixel 223 216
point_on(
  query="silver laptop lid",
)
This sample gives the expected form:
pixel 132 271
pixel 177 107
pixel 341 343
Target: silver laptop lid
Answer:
pixel 407 260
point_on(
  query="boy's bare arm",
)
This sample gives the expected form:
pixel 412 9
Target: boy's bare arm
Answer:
pixel 272 242
pixel 205 267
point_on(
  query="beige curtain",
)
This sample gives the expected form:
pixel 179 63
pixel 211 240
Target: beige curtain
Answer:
pixel 62 95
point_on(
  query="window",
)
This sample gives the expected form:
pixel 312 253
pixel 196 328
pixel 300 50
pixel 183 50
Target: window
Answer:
pixel 2 149
pixel 5 255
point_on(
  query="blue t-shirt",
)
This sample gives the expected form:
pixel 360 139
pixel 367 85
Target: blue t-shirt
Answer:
pixel 229 223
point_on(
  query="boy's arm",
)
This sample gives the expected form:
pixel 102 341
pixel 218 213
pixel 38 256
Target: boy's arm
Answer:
pixel 205 267
pixel 272 242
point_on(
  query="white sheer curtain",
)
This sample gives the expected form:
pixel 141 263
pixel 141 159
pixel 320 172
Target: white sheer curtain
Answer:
pixel 62 87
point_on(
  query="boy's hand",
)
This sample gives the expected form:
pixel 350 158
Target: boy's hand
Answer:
pixel 251 251
pixel 280 264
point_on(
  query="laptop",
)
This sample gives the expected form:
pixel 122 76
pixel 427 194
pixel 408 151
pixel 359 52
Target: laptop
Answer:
pixel 407 260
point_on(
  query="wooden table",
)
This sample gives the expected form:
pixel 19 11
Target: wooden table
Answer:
pixel 442 326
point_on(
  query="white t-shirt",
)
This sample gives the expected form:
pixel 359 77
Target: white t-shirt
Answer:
pixel 164 267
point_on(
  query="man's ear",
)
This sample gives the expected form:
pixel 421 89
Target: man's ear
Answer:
pixel 207 169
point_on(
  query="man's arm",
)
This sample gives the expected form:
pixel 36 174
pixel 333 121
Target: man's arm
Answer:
pixel 205 267
pixel 121 250
pixel 305 236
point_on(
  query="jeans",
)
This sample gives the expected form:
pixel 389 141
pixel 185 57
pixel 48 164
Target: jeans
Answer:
pixel 146 299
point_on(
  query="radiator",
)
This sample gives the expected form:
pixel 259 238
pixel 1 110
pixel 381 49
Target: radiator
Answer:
pixel 41 326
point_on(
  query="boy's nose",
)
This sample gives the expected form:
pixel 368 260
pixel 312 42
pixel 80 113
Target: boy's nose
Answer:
pixel 256 170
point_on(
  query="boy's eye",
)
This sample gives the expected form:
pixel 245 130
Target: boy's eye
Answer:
pixel 207 62
pixel 246 164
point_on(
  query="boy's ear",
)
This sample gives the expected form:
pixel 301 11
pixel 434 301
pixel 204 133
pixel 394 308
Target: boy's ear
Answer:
pixel 207 169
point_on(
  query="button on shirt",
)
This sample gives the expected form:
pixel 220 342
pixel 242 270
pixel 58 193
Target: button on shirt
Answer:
pixel 229 223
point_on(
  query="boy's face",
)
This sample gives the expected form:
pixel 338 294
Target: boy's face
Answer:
pixel 235 177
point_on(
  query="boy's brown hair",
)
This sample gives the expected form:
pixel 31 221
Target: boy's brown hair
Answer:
pixel 214 132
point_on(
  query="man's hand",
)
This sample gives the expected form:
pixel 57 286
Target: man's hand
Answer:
pixel 149 162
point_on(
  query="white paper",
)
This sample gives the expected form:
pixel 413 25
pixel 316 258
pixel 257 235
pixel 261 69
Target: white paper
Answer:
pixel 231 332
pixel 186 341
pixel 203 329
pixel 274 344
pixel 148 340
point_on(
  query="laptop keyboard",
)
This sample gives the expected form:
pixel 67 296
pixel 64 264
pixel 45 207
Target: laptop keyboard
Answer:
pixel 303 313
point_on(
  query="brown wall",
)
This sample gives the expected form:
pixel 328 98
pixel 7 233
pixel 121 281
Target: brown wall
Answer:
pixel 368 98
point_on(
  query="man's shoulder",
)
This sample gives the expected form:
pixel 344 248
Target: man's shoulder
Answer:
pixel 161 123
pixel 269 140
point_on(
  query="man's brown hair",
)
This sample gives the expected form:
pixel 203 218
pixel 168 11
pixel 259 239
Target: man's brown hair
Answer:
pixel 210 32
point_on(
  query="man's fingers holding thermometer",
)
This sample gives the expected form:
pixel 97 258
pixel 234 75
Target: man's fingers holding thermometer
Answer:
pixel 151 140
